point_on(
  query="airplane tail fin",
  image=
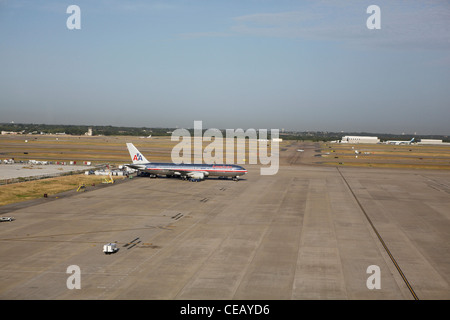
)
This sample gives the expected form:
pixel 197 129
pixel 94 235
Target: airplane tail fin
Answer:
pixel 136 156
pixel 412 140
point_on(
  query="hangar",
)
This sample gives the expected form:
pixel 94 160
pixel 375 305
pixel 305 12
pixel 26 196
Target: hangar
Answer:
pixel 359 139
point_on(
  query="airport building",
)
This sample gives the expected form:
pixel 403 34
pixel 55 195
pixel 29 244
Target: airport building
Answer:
pixel 359 139
pixel 432 142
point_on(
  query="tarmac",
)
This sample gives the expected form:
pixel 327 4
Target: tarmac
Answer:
pixel 307 233
pixel 22 170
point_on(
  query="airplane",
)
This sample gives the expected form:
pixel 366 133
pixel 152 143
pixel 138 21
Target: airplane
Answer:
pixel 192 172
pixel 399 142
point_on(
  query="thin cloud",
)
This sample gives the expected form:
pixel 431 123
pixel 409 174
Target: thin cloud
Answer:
pixel 281 18
pixel 409 26
pixel 136 5
pixel 196 35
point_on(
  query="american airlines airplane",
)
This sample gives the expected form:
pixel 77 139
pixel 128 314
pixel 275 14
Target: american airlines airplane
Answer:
pixel 193 172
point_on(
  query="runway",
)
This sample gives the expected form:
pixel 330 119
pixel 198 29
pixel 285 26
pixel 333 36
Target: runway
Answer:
pixel 308 232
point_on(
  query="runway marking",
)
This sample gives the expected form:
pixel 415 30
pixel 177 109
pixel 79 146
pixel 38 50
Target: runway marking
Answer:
pixel 381 239
pixel 131 243
pixel 138 265
pixel 177 216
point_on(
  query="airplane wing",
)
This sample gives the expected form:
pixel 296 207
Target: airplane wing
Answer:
pixel 135 166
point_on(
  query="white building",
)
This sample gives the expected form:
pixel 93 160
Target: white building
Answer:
pixel 359 139
pixel 432 142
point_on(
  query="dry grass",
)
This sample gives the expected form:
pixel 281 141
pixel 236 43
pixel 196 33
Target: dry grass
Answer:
pixel 389 165
pixel 95 149
pixel 387 156
pixel 36 189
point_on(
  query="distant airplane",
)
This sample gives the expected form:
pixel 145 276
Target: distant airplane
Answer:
pixel 399 142
pixel 193 172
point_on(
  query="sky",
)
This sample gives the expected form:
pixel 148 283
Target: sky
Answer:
pixel 262 64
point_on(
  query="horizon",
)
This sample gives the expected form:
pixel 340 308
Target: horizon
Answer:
pixel 309 66
pixel 406 134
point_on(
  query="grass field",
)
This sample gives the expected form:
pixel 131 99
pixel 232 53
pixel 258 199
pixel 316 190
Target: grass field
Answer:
pixel 97 149
pixel 36 189
pixel 113 150
pixel 386 156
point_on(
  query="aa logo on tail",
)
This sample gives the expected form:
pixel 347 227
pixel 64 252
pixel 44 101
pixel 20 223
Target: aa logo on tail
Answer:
pixel 137 157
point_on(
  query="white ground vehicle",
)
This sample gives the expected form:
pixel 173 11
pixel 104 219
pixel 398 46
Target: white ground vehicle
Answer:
pixel 110 248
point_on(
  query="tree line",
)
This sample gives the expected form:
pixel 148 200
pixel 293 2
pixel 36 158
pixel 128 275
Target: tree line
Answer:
pixel 146 131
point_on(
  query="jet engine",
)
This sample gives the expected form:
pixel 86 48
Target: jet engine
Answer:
pixel 197 175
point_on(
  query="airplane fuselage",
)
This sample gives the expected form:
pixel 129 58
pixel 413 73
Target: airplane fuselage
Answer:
pixel 218 170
